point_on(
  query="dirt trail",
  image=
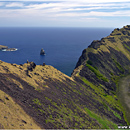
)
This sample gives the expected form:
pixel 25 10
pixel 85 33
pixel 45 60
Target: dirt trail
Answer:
pixel 124 95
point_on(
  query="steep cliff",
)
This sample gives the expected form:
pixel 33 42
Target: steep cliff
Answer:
pixel 103 64
pixel 39 96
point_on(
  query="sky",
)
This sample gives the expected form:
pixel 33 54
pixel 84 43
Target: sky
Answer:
pixel 64 13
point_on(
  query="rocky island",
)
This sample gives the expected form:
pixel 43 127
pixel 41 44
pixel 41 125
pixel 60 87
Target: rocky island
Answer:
pixel 94 97
pixel 42 52
pixel 5 48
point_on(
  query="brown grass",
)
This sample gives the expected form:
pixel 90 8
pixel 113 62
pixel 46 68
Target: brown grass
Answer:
pixel 12 116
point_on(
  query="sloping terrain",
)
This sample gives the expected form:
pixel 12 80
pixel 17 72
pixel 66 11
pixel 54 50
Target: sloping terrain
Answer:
pixel 12 115
pixel 39 96
pixel 51 98
pixel 103 63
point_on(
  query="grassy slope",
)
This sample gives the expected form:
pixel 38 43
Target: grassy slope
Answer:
pixel 55 100
pixel 102 65
pixel 13 116
pixel 51 98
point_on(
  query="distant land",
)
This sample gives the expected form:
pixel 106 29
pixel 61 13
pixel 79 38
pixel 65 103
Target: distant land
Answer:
pixel 95 96
pixel 5 48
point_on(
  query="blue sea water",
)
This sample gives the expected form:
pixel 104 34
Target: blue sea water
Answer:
pixel 63 46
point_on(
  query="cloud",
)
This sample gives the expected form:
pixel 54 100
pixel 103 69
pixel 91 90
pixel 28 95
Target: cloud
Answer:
pixel 14 4
pixel 90 19
pixel 96 14
pixel 68 5
pixel 1 4
pixel 44 5
pixel 56 12
pixel 66 10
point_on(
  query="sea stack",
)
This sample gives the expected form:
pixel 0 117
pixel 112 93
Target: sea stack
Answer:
pixel 42 52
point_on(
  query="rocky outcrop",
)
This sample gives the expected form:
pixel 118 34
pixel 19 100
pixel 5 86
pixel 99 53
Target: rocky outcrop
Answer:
pixel 42 52
pixel 3 47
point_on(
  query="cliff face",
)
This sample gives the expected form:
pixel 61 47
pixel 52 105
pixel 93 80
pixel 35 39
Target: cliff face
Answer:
pixel 104 62
pixel 110 56
pixel 42 97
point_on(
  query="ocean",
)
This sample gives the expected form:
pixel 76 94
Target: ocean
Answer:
pixel 63 46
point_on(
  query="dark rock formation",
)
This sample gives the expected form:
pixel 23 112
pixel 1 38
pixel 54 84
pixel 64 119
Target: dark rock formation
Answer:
pixel 95 44
pixel 43 64
pixel 3 47
pixel 31 66
pixel 42 52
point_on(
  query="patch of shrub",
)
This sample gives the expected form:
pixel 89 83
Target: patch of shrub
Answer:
pixel 95 67
pixel 89 62
pixel 126 46
pixel 118 65
pixel 104 122
pixel 97 73
pixel 115 79
pixel 115 113
pixel 36 101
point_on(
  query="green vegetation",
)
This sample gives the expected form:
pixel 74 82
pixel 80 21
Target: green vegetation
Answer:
pixel 41 110
pixel 118 65
pixel 97 73
pixel 38 89
pixel 62 116
pixel 105 98
pixel 126 46
pixel 115 113
pixel 103 121
pixel 115 79
pixel 48 99
pixel 36 101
